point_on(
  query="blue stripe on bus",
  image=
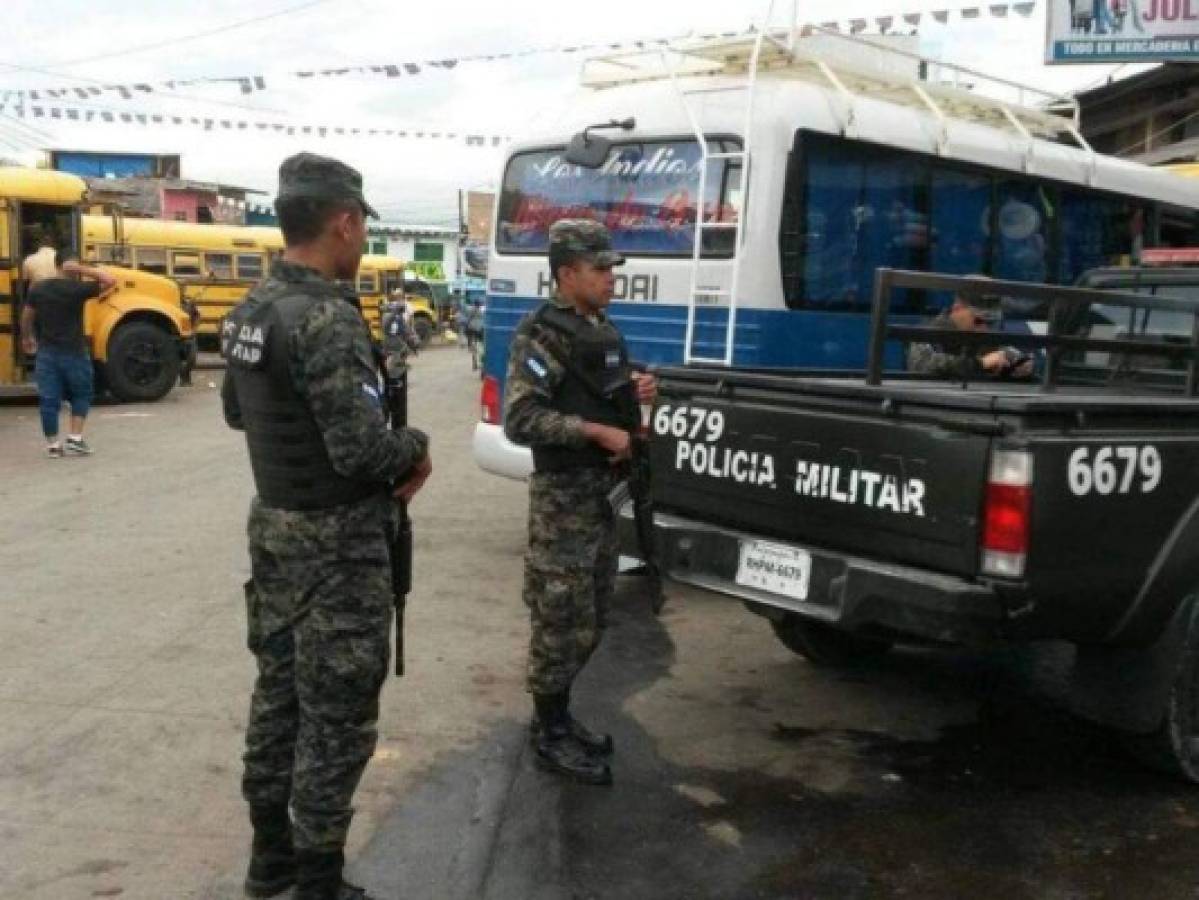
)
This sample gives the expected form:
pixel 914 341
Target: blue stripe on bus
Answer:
pixel 775 338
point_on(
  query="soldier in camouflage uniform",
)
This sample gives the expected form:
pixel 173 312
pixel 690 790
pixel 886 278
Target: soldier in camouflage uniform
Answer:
pixel 572 397
pixel 303 384
pixel 976 313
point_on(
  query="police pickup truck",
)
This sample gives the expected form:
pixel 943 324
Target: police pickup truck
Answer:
pixel 859 512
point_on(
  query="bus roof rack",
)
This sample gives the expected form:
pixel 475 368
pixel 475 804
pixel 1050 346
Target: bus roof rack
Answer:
pixel 855 67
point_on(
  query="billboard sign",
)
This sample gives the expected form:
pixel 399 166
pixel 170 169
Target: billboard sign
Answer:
pixel 1105 31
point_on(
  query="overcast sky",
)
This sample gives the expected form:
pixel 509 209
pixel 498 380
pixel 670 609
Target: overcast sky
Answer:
pixel 61 43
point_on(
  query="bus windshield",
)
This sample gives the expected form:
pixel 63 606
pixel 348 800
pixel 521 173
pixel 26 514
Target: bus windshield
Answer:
pixel 645 193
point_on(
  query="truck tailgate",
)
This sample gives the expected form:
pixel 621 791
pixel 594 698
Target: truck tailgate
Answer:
pixel 861 474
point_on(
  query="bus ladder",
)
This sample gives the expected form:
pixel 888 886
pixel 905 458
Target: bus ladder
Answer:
pixel 699 293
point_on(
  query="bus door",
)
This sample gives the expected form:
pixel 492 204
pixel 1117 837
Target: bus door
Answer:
pixel 10 262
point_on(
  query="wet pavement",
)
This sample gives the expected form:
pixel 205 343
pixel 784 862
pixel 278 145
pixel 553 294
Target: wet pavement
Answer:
pixel 752 774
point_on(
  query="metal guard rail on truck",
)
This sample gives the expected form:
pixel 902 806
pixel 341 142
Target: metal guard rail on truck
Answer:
pixel 1060 301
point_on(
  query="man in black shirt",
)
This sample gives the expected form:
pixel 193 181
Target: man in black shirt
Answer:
pixel 52 327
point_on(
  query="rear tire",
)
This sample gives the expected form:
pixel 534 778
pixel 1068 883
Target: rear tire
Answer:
pixel 143 362
pixel 1174 747
pixel 824 645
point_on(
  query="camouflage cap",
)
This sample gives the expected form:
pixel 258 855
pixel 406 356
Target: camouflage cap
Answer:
pixel 586 239
pixel 321 178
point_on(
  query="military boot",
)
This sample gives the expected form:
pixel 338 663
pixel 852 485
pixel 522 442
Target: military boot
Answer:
pixel 594 744
pixel 272 867
pixel 318 877
pixel 557 750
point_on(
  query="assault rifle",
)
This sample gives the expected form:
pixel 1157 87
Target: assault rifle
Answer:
pixel 401 542
pixel 639 482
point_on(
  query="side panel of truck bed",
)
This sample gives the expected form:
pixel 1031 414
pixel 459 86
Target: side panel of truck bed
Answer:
pixel 1107 500
pixel 847 475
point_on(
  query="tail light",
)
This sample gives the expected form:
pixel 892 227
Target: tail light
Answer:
pixel 489 400
pixel 1007 511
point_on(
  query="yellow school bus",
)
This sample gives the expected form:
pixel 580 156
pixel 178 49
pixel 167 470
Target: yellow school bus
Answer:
pixel 378 277
pixel 216 265
pixel 138 335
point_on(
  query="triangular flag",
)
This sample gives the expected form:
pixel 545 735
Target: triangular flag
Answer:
pixel 998 10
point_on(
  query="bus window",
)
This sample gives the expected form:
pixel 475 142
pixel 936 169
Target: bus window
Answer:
pixel 218 265
pixel 150 259
pixel 106 253
pixel 249 265
pixel 864 207
pixel 185 263
pixel 960 222
pixel 392 281
pixel 367 284
pixel 1096 230
pixel 645 194
pixel 1023 224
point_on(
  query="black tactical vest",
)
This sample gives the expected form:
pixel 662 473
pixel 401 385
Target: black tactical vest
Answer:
pixel 287 453
pixel 598 387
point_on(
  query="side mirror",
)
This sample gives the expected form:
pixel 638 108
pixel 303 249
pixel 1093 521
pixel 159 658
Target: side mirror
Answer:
pixel 588 150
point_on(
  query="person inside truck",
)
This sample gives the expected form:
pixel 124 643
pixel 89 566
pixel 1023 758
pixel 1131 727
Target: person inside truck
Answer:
pixel 979 313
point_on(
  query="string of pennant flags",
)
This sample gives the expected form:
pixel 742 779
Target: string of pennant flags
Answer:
pixel 249 84
pixel 69 113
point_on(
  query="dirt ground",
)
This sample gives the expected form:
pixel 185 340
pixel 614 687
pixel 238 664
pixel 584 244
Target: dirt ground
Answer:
pixel 741 772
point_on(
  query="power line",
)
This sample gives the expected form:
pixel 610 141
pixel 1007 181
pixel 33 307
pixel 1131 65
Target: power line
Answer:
pixel 177 40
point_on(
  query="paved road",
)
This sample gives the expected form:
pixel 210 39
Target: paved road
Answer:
pixel 742 771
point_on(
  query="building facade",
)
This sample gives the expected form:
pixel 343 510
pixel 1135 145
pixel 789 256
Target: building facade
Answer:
pixel 430 252
pixel 149 185
pixel 1151 117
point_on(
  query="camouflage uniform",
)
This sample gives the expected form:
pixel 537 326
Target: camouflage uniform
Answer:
pixel 319 603
pixel 935 359
pixel 399 338
pixel 570 565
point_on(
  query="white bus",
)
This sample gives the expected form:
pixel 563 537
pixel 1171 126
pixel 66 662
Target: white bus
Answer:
pixel 817 168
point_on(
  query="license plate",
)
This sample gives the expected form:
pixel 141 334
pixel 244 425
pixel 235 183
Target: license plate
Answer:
pixel 776 568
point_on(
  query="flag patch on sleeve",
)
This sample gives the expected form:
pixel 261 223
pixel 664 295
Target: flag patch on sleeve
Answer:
pixel 536 366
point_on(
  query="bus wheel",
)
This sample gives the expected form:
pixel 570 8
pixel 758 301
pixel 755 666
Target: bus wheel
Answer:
pixel 143 362
pixel 824 645
pixel 423 328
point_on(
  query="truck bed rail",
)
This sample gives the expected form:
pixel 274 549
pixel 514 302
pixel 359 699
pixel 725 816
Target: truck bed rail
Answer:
pixel 1065 307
